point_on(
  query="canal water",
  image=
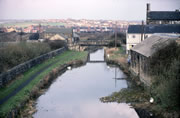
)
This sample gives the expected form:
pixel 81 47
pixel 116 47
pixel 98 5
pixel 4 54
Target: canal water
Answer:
pixel 76 93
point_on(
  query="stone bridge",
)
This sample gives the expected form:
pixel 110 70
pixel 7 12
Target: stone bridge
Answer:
pixel 94 43
pixel 82 45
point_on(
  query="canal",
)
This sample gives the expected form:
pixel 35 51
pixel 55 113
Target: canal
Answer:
pixel 76 93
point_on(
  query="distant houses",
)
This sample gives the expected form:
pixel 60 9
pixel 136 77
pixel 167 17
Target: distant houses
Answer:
pixel 76 37
pixel 57 34
pixel 2 30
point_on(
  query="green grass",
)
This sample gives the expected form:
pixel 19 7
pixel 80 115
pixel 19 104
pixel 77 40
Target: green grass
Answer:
pixel 6 90
pixel 24 93
pixel 128 95
pixel 120 51
pixel 117 54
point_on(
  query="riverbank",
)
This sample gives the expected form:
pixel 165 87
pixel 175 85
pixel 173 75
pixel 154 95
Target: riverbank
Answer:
pixel 137 94
pixel 76 93
pixel 43 74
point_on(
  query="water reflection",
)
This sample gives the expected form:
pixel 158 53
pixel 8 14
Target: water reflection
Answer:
pixel 97 56
pixel 76 93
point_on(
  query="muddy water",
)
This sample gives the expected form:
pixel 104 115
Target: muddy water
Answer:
pixel 76 93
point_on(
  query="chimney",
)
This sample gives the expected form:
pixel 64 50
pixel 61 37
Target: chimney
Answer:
pixel 177 10
pixel 148 7
pixel 147 13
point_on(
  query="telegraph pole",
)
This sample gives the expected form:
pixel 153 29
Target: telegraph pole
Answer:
pixel 21 33
pixel 115 42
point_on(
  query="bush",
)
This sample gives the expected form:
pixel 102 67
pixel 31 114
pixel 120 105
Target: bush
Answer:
pixel 14 54
pixel 57 44
pixel 112 44
pixel 34 36
pixel 120 36
pixel 167 94
pixel 163 58
pixel 165 66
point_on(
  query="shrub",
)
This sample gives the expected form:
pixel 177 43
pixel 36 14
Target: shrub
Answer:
pixel 16 53
pixel 34 36
pixel 165 66
pixel 57 44
pixel 120 36
pixel 112 44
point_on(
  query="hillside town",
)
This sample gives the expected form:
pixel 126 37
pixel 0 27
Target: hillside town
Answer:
pixel 79 26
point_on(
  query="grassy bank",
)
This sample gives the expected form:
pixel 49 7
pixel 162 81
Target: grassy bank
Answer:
pixel 117 55
pixel 23 95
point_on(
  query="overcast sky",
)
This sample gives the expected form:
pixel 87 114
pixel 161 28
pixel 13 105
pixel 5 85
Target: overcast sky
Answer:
pixel 78 9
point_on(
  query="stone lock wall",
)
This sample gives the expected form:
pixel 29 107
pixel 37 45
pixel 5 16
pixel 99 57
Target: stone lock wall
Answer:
pixel 12 73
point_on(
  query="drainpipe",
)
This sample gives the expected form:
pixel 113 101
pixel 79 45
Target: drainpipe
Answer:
pixel 142 32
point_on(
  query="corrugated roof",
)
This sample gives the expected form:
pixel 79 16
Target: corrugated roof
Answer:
pixel 163 28
pixel 164 15
pixel 150 45
pixel 59 30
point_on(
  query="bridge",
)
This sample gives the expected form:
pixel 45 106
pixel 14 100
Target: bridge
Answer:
pixel 96 61
pixel 94 43
pixel 83 44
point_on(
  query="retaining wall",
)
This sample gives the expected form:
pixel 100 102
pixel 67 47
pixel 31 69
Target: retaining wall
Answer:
pixel 12 73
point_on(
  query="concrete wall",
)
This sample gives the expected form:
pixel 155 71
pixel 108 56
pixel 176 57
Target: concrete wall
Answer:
pixel 140 67
pixel 12 73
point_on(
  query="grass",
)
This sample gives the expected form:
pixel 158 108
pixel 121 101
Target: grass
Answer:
pixel 24 93
pixel 117 54
pixel 6 90
pixel 127 95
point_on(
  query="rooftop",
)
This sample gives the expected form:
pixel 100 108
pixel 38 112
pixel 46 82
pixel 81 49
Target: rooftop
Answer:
pixel 150 45
pixel 163 28
pixel 59 30
pixel 164 15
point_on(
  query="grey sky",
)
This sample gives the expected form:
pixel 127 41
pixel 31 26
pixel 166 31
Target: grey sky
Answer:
pixel 78 9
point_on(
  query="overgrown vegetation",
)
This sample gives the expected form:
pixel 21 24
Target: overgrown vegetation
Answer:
pixel 120 36
pixel 114 44
pixel 34 36
pixel 24 94
pixel 130 95
pixel 17 53
pixel 57 44
pixel 165 66
pixel 117 54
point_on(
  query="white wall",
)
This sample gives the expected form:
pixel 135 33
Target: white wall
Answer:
pixel 133 39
